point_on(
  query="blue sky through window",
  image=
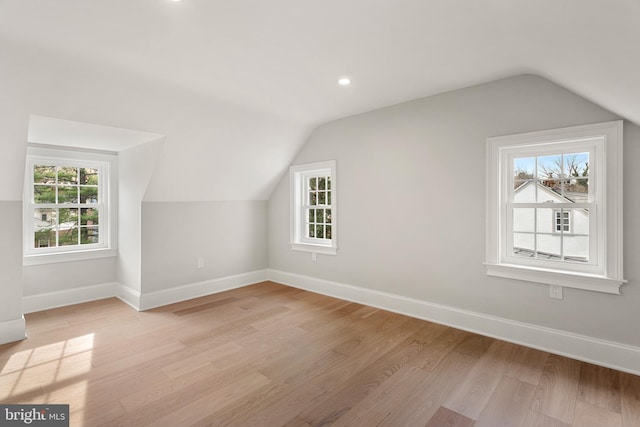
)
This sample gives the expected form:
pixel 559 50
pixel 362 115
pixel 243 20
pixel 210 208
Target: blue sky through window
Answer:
pixel 547 164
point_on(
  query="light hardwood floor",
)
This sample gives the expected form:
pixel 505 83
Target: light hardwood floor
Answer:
pixel 270 355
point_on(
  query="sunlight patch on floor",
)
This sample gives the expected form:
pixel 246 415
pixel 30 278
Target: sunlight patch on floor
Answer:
pixel 38 375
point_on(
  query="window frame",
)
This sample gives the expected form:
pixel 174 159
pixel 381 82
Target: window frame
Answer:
pixel 605 272
pixel 298 177
pixel 106 163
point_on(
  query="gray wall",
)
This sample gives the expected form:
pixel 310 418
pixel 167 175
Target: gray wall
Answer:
pixel 62 276
pixel 411 182
pixel 10 261
pixel 231 237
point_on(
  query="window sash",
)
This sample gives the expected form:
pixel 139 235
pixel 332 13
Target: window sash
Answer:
pixel 101 206
pixel 305 236
pixel 590 145
pixel 595 252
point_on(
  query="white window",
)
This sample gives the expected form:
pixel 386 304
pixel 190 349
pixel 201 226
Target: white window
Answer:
pixel 68 209
pixel 562 220
pixel 554 207
pixel 314 207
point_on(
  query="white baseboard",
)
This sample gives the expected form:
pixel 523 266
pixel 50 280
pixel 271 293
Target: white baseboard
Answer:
pixel 593 350
pixel 194 290
pixel 12 330
pixel 39 302
pixel 129 296
pixel 137 300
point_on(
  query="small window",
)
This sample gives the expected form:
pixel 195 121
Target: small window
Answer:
pixel 555 207
pixel 67 207
pixel 313 207
pixel 562 221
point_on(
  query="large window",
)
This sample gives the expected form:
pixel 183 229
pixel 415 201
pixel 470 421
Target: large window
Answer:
pixel 67 203
pixel 313 207
pixel 555 207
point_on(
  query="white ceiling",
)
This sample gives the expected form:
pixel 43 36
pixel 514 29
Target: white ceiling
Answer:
pixel 284 56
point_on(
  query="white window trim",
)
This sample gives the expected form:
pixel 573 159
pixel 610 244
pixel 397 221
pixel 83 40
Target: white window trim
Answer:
pixel 109 165
pixel 296 181
pixel 609 278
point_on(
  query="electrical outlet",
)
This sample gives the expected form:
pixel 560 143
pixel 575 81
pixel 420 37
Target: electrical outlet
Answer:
pixel 200 262
pixel 555 292
pixel 314 256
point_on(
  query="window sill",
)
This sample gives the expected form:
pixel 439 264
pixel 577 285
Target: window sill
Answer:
pixel 53 258
pixel 589 282
pixel 305 247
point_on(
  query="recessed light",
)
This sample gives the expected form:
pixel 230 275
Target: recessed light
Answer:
pixel 344 81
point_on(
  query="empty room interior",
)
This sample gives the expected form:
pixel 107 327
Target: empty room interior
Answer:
pixel 350 213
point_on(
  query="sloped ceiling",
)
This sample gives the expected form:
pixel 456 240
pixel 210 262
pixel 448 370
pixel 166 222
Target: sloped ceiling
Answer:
pixel 284 56
pixel 280 60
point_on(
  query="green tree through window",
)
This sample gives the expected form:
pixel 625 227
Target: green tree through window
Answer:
pixel 66 206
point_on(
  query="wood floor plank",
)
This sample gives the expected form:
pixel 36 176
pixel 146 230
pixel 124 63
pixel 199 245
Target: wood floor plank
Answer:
pixel 268 336
pixel 204 357
pixel 371 377
pixel 630 399
pixel 203 307
pixel 271 405
pixel 364 350
pixel 474 345
pixel 557 390
pixel 212 401
pixel 509 404
pixel 527 365
pixel 588 415
pixel 239 321
pixel 296 361
pixel 375 407
pixel 473 394
pixel 271 355
pixel 600 386
pixel 445 417
pixel 297 422
pixel 165 398
pixel 432 392
pixel 166 388
pixel 441 348
pixel 17 395
pixel 536 419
